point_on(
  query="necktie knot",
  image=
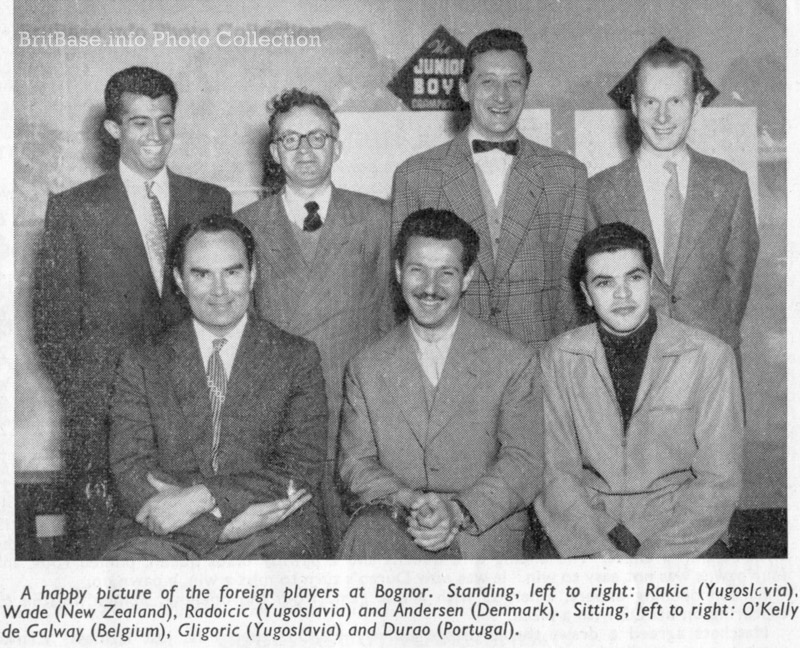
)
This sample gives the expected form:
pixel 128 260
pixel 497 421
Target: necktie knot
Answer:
pixel 313 221
pixel 509 147
pixel 218 344
pixel 148 186
pixel 671 167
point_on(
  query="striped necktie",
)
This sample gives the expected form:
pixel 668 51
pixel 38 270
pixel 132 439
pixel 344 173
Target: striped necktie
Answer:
pixel 217 386
pixel 673 214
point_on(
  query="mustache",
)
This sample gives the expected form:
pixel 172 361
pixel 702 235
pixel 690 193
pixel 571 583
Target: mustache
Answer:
pixel 429 295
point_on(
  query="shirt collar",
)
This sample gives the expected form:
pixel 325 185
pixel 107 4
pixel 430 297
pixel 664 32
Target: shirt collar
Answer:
pixel 133 180
pixel 444 336
pixel 656 159
pixel 295 203
pixel 205 338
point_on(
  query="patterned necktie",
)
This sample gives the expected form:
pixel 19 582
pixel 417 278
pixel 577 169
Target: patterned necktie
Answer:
pixel 313 221
pixel 673 211
pixel 217 386
pixel 509 147
pixel 157 234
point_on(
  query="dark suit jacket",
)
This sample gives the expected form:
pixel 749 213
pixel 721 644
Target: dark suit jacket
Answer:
pixel 273 426
pixel 96 297
pixel 341 301
pixel 481 442
pixel 718 243
pixel 526 291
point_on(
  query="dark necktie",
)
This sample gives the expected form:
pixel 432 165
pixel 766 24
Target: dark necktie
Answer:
pixel 217 387
pixel 313 221
pixel 673 214
pixel 509 147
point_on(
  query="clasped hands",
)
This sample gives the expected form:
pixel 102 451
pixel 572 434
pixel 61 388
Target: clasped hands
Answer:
pixel 175 506
pixel 434 521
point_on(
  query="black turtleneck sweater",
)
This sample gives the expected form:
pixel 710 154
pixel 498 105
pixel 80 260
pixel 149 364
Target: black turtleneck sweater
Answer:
pixel 626 356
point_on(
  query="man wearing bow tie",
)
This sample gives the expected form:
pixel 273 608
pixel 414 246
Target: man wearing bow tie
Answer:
pixel 526 201
pixel 323 254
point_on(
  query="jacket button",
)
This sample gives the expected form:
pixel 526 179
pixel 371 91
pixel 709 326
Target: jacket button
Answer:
pixel 494 311
pixel 673 299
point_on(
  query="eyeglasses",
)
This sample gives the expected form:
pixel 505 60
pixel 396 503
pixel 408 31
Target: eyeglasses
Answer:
pixel 316 139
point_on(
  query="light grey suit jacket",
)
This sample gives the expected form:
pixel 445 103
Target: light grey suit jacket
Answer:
pixel 718 243
pixel 341 301
pixel 482 440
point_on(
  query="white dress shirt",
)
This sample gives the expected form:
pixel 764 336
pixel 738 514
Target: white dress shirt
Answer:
pixel 135 187
pixel 654 181
pixel 227 353
pixel 295 204
pixel 432 354
pixel 495 166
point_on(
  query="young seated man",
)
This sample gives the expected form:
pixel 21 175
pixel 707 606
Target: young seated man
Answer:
pixel 643 419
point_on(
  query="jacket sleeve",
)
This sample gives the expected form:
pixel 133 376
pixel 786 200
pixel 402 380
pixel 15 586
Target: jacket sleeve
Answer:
pixel 359 465
pixel 577 220
pixel 132 443
pixel 57 295
pixel 515 476
pixel 385 267
pixel 300 450
pixel 741 251
pixel 574 526
pixel 706 503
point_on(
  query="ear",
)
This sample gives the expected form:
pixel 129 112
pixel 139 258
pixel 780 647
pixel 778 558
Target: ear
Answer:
pixel 634 107
pixel 178 279
pixel 468 278
pixel 586 294
pixel 253 274
pixel 398 272
pixel 112 128
pixel 462 90
pixel 273 151
pixel 698 104
pixel 337 149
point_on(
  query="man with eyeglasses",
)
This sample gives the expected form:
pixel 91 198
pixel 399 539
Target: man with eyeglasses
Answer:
pixel 323 256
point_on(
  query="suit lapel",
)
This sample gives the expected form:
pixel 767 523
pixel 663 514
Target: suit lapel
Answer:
pixel 631 204
pixel 191 389
pixel 275 230
pixel 458 379
pixel 403 376
pixel 251 366
pixel 126 235
pixel 523 191
pixel 697 209
pixel 464 197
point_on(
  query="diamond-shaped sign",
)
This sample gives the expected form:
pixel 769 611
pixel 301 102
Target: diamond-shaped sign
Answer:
pixel 429 81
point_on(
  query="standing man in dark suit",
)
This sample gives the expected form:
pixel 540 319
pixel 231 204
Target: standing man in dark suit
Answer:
pixel 103 283
pixel 696 210
pixel 442 431
pixel 526 201
pixel 323 254
pixel 218 429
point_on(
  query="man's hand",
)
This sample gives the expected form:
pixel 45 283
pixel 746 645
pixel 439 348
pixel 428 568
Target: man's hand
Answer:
pixel 434 521
pixel 262 515
pixel 173 506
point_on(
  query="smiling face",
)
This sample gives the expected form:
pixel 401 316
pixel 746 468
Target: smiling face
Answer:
pixel 665 105
pixel 496 93
pixel 432 278
pixel 145 132
pixel 617 286
pixel 306 167
pixel 216 280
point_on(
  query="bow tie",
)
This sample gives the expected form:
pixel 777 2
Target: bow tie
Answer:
pixel 509 147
